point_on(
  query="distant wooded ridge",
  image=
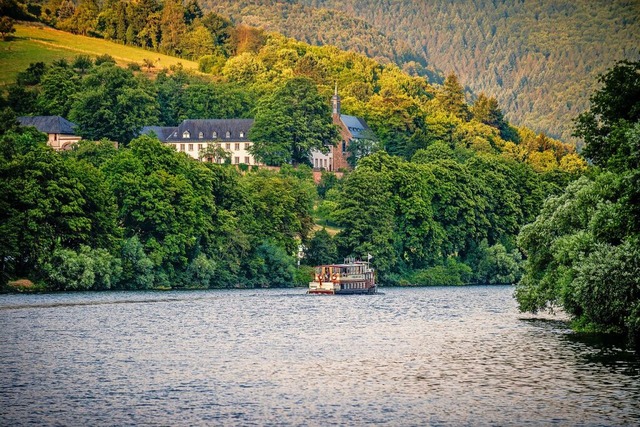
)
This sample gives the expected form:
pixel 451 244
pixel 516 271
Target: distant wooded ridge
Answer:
pixel 539 59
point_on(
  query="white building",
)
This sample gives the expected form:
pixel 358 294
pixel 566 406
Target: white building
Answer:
pixel 214 140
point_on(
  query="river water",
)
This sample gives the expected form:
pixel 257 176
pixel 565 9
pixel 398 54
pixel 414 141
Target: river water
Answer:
pixel 414 357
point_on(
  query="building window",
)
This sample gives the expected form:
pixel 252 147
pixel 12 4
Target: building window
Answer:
pixel 186 134
pixel 190 147
pixel 199 147
pixel 181 147
pixel 325 163
pixel 247 160
pixel 228 134
pixel 241 134
pixel 214 135
pixel 247 145
pixel 227 146
pixel 236 160
pixel 315 163
pixel 344 146
pixel 237 146
pixel 200 135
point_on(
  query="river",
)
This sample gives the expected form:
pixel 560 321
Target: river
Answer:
pixel 409 357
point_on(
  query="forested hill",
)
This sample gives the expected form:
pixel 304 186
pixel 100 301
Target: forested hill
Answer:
pixel 539 58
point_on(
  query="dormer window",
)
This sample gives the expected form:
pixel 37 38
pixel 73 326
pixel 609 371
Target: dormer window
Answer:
pixel 186 134
pixel 200 135
pixel 241 134
pixel 215 135
pixel 228 134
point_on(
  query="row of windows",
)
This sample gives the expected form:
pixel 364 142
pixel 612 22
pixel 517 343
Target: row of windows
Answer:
pixel 227 146
pixel 236 160
pixel 186 134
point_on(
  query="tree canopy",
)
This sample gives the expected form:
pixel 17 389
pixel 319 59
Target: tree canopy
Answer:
pixel 582 249
pixel 291 122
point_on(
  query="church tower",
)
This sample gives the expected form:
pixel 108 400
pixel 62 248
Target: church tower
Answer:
pixel 335 102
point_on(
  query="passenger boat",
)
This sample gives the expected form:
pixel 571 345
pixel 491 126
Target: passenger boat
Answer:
pixel 351 277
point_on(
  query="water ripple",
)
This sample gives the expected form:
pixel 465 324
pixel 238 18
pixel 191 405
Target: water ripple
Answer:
pixel 437 356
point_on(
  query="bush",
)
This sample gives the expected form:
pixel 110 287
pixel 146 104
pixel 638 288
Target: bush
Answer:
pixel 451 273
pixel 211 64
pixel 271 267
pixel 137 267
pixel 200 273
pixel 85 269
pixel 303 276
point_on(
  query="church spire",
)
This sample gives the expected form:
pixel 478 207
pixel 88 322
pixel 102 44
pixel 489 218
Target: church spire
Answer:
pixel 335 101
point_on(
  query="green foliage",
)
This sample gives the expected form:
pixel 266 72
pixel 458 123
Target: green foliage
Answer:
pixel 32 75
pixel 321 249
pixel 290 123
pixel 113 104
pixel 137 268
pixel 270 266
pixel 279 209
pixel 450 273
pixel 583 247
pixel 494 265
pixel 48 203
pixel 610 127
pixel 6 27
pixel 85 269
pixel 328 181
pixel 504 49
pixel 303 275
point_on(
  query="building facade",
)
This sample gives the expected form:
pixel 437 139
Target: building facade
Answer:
pixel 351 129
pixel 213 140
pixel 60 131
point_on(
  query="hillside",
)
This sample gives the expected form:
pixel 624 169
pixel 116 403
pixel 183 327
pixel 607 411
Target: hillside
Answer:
pixel 539 58
pixel 39 43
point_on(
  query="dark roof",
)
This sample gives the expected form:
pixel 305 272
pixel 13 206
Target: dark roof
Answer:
pixel 208 126
pixel 357 126
pixel 162 132
pixel 49 124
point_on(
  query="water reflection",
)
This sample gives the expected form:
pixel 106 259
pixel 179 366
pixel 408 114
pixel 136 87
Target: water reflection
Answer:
pixel 441 356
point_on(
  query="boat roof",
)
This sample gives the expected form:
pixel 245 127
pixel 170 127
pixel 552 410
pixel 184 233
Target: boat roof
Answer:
pixel 349 264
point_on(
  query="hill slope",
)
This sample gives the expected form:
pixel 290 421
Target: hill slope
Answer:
pixel 38 43
pixel 538 58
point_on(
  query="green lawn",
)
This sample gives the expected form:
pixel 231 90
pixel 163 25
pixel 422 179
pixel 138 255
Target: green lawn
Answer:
pixel 37 43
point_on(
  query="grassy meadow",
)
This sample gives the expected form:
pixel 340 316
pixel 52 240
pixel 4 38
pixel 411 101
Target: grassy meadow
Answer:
pixel 33 43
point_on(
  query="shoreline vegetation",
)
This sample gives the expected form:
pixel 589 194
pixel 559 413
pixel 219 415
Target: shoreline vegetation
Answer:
pixel 448 193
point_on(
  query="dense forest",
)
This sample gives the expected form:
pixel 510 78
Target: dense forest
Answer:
pixel 539 59
pixel 480 178
pixel 447 192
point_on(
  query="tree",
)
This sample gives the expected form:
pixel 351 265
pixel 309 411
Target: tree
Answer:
pixel 290 123
pixel 164 199
pixel 614 109
pixel 321 249
pixel 6 27
pixel 58 87
pixel 172 26
pixel 48 203
pixel 451 97
pixel 113 104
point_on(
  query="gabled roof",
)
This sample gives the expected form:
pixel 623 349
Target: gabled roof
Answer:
pixel 208 126
pixel 357 126
pixel 49 124
pixel 162 132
